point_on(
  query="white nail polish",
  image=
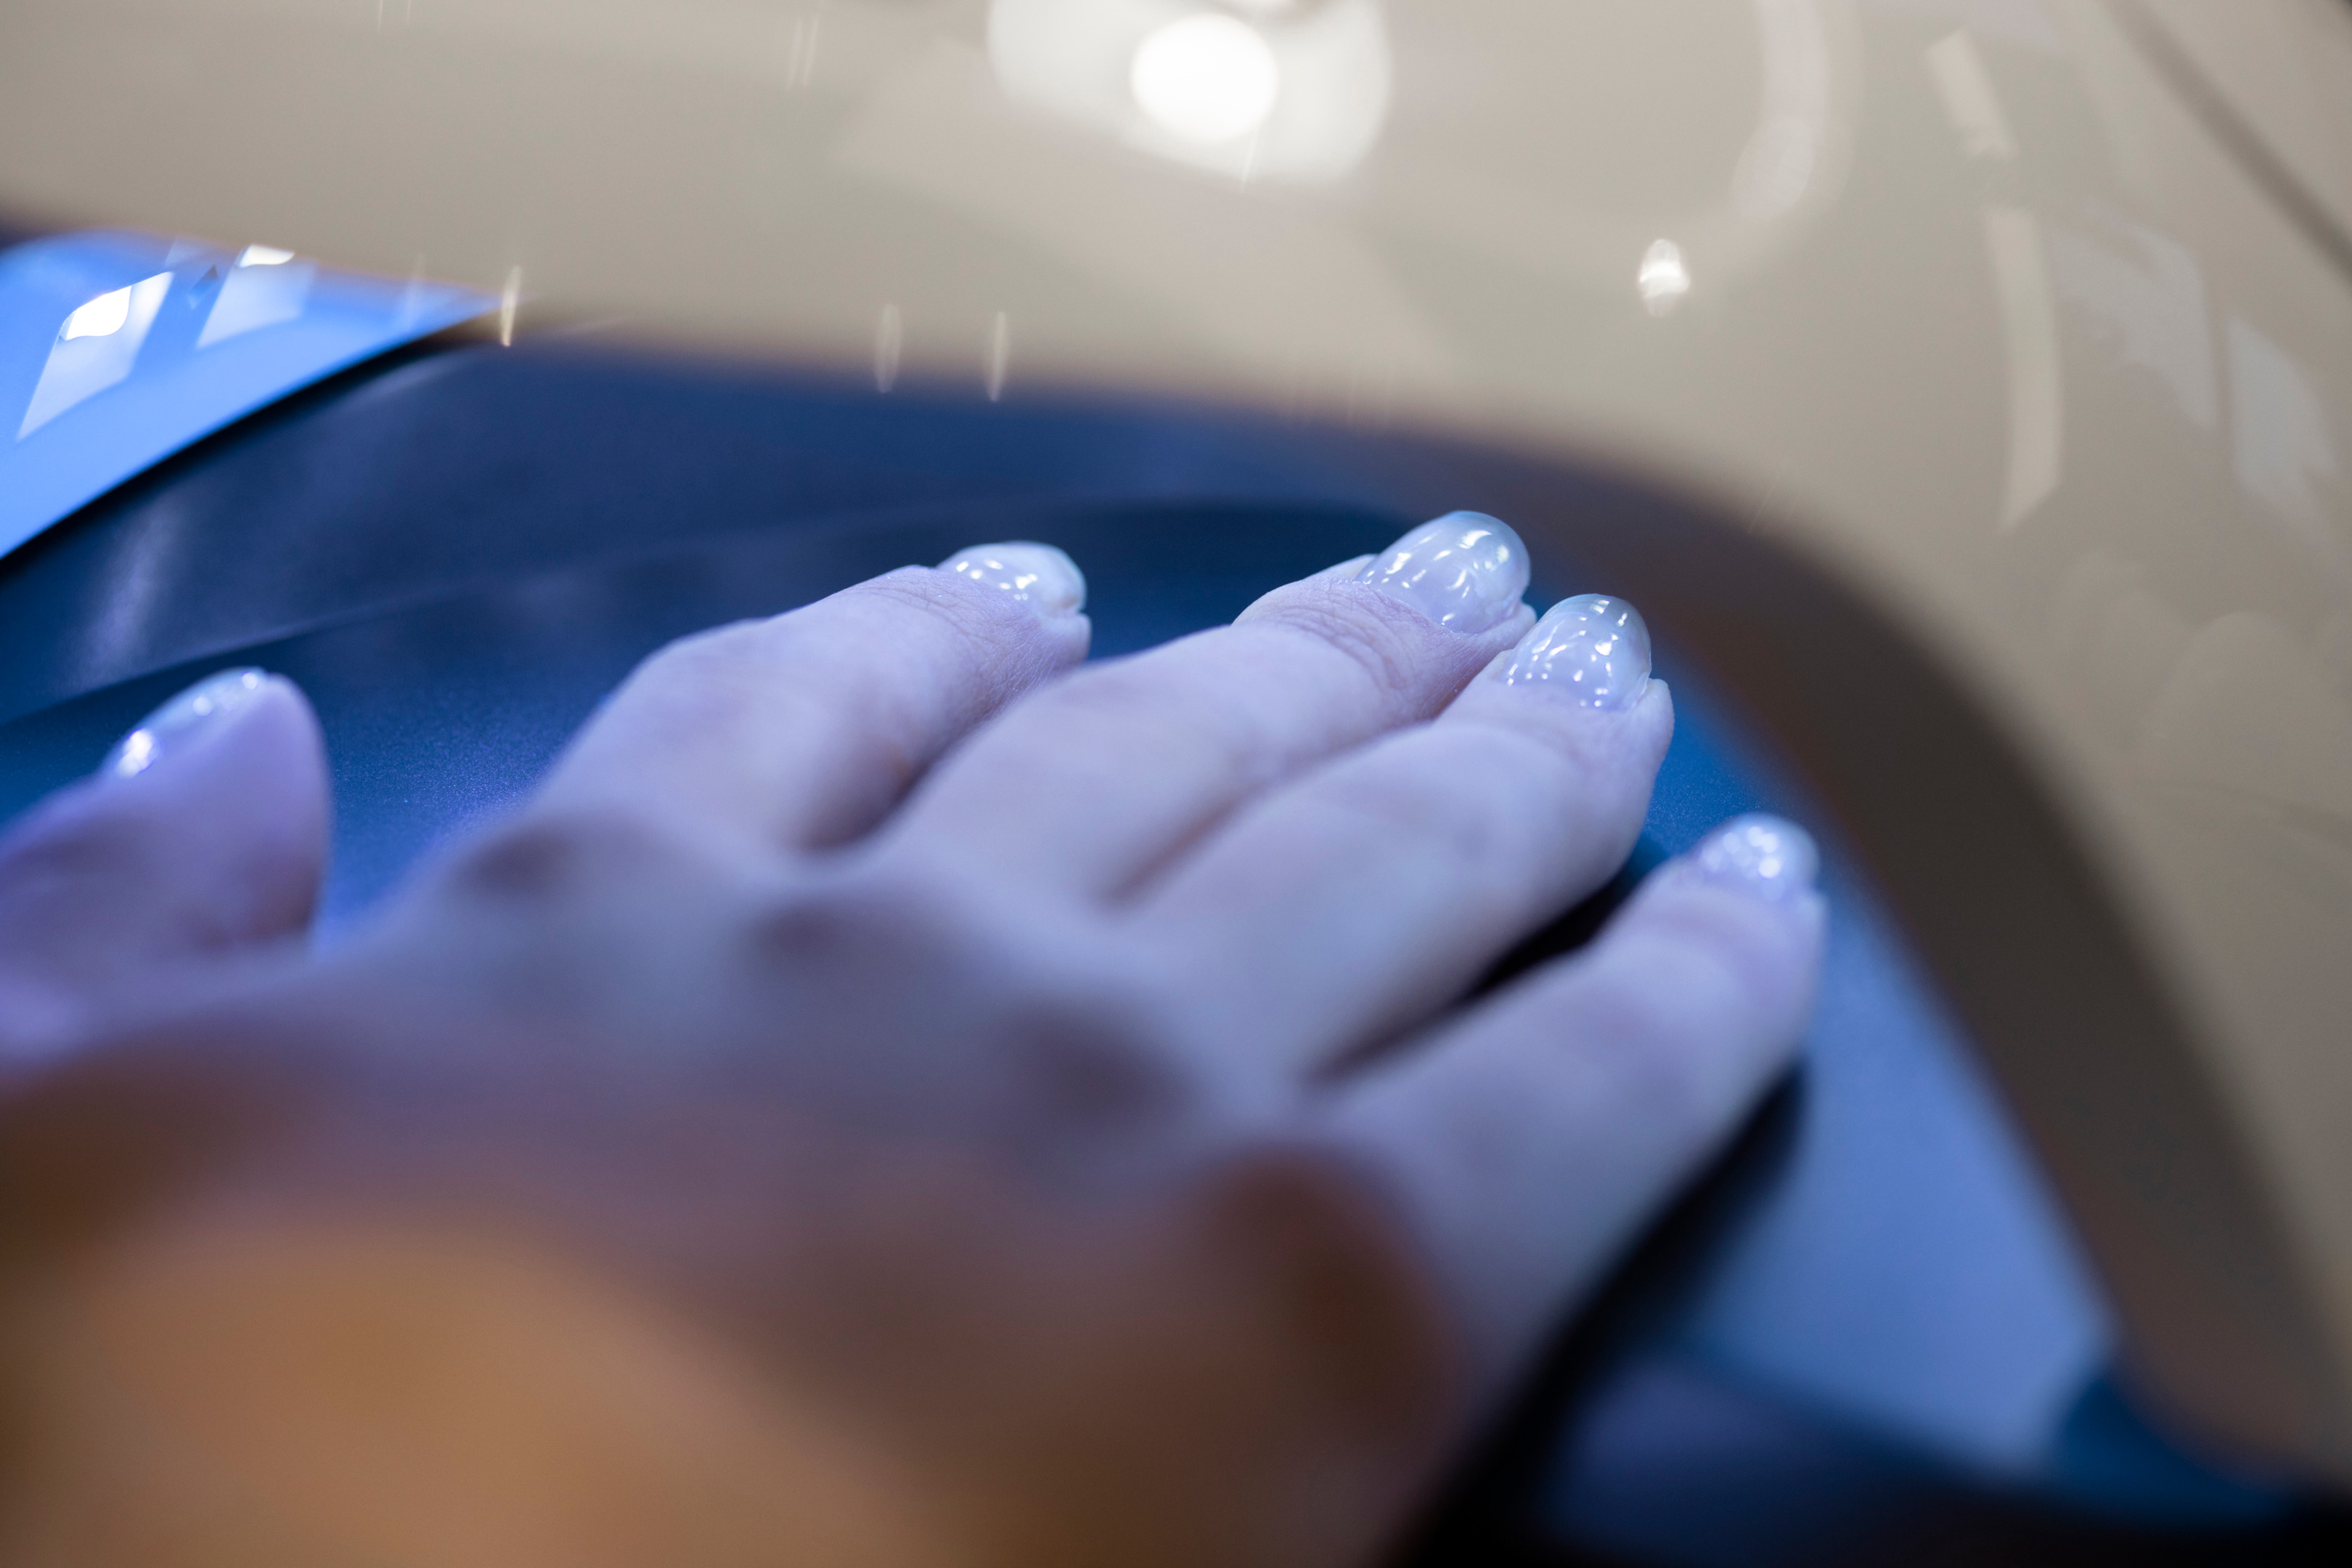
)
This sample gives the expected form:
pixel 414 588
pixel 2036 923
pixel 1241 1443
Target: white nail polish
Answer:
pixel 1465 571
pixel 173 724
pixel 1595 648
pixel 1767 856
pixel 1036 574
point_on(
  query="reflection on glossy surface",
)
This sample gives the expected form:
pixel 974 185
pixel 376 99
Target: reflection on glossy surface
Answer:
pixel 1207 77
pixel 1465 571
pixel 889 342
pixel 96 347
pixel 1970 101
pixel 1665 278
pixel 171 726
pixel 2037 393
pixel 1768 856
pixel 266 286
pixel 1295 93
pixel 2284 451
pixel 1789 145
pixel 1034 574
pixel 2144 294
pixel 117 349
pixel 1595 648
pixel 103 317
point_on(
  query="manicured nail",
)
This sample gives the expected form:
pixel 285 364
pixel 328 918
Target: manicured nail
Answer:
pixel 1466 571
pixel 1035 575
pixel 170 727
pixel 1595 648
pixel 1762 855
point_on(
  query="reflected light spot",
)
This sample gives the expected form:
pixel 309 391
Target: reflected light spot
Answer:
pixel 1206 77
pixel 264 256
pixel 1665 278
pixel 101 318
pixel 138 753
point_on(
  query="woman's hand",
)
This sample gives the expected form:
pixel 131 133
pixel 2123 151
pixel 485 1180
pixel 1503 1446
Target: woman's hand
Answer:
pixel 891 1098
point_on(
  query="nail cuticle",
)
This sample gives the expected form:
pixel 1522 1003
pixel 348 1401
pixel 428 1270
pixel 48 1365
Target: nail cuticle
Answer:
pixel 1595 649
pixel 1465 571
pixel 1036 574
pixel 169 727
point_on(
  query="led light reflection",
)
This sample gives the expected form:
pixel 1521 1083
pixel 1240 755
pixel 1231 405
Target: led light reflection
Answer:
pixel 1280 92
pixel 266 286
pixel 1207 77
pixel 1664 277
pixel 97 344
pixel 101 318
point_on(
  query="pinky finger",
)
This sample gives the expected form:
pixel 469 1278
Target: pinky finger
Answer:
pixel 1530 1140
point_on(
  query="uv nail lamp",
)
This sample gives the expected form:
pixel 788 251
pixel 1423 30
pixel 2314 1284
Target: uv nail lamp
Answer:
pixel 1964 387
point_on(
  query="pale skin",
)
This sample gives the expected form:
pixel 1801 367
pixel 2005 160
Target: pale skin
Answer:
pixel 891 1097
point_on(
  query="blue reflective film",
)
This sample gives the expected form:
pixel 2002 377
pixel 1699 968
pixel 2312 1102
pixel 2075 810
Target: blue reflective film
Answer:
pixel 119 349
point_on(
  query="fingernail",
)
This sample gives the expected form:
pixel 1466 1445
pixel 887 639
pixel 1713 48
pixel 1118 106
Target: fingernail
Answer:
pixel 1595 648
pixel 1465 571
pixel 1036 574
pixel 1762 855
pixel 170 727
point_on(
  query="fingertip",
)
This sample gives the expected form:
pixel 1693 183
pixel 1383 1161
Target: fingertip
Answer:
pixel 1766 857
pixel 236 808
pixel 1748 896
pixel 216 841
pixel 1042 576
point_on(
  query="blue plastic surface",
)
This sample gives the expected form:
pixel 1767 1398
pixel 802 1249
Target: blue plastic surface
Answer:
pixel 118 350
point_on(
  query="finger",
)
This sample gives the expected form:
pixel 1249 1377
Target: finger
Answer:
pixel 1376 889
pixel 804 730
pixel 204 833
pixel 1529 1142
pixel 1095 781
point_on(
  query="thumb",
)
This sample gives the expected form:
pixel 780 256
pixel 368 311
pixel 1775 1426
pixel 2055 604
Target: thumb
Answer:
pixel 201 837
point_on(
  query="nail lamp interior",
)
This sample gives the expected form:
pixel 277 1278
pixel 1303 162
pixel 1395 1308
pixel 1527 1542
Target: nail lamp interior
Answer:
pixel 1969 377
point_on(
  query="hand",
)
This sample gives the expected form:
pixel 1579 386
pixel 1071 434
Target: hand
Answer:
pixel 891 1098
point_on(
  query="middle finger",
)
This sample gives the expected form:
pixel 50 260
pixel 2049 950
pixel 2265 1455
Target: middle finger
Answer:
pixel 1093 783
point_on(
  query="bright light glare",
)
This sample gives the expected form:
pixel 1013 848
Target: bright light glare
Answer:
pixel 264 256
pixel 101 318
pixel 1207 77
pixel 138 754
pixel 1665 278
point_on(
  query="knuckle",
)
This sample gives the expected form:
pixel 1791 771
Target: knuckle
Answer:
pixel 704 655
pixel 1743 951
pixel 1330 1271
pixel 549 855
pixel 1403 798
pixel 1677 1034
pixel 967 610
pixel 823 926
pixel 72 838
pixel 1390 643
pixel 1078 1065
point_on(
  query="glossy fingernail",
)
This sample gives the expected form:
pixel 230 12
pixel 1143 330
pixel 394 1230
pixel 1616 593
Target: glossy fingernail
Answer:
pixel 1465 571
pixel 1595 648
pixel 170 728
pixel 1036 574
pixel 1767 856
